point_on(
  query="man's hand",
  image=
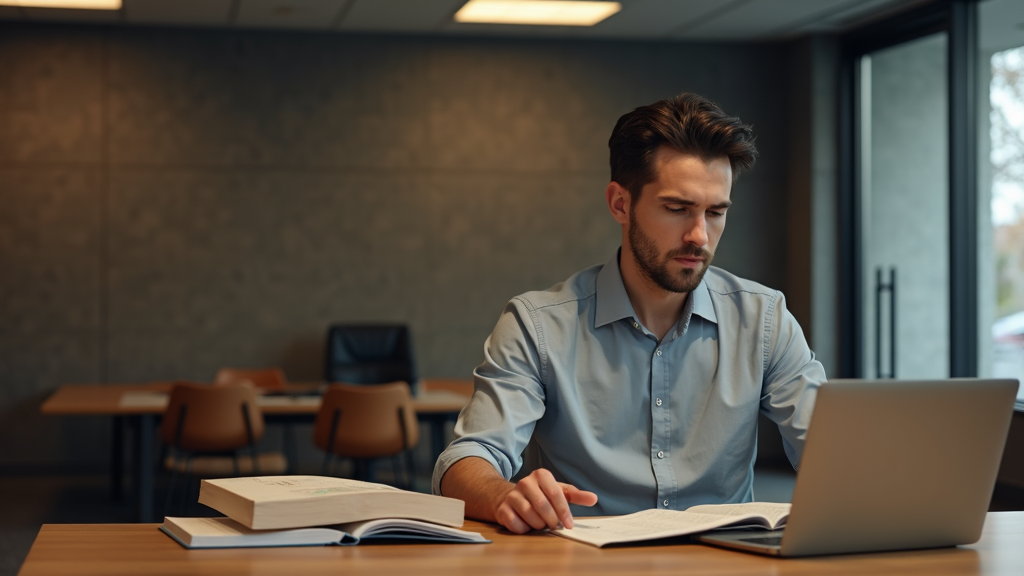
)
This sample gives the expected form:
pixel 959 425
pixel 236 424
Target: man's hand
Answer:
pixel 538 501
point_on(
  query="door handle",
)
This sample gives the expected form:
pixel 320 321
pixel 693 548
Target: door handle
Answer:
pixel 880 288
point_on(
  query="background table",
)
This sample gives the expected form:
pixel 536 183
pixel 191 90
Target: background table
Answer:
pixel 116 549
pixel 140 406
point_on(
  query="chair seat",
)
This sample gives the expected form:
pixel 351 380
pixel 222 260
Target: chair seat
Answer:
pixel 268 463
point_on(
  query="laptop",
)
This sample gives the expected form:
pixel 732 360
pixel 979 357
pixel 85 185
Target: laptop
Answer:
pixel 892 465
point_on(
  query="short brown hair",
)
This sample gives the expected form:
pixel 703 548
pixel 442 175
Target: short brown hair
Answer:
pixel 688 123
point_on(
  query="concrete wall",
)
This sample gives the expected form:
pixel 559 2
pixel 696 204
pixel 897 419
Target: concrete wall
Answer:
pixel 173 201
pixel 812 207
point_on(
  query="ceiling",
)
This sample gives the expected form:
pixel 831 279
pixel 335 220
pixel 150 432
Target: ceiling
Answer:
pixel 703 20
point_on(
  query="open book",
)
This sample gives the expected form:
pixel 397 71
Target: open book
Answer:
pixel 226 533
pixel 654 524
pixel 276 502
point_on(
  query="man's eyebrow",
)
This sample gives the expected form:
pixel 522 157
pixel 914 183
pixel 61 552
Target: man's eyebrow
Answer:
pixel 685 202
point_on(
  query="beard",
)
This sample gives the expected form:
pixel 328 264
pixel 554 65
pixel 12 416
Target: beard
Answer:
pixel 645 252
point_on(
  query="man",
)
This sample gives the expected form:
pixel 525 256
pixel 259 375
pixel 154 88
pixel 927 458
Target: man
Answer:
pixel 639 382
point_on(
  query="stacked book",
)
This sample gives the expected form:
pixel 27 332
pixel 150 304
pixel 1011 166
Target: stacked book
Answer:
pixel 316 511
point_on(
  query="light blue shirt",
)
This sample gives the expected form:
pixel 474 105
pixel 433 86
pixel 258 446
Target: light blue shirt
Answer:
pixel 643 423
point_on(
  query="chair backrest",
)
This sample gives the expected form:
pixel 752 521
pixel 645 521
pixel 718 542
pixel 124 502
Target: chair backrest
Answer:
pixel 267 378
pixel 369 354
pixel 202 418
pixel 367 421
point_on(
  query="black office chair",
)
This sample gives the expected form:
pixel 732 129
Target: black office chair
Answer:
pixel 369 354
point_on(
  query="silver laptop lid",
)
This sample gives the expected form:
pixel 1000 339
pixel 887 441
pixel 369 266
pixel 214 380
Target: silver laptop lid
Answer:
pixel 898 465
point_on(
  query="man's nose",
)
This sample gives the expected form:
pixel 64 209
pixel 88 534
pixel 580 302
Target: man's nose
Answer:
pixel 698 232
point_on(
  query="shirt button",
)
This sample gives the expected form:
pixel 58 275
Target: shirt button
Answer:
pixel 661 454
pixel 658 401
pixel 636 325
pixel 664 503
pixel 658 352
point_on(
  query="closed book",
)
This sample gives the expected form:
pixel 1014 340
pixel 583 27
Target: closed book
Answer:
pixel 277 502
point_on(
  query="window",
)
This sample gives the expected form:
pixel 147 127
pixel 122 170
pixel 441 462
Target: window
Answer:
pixel 1000 105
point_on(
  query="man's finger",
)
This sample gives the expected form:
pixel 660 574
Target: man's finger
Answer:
pixel 508 518
pixel 525 508
pixel 556 504
pixel 542 494
pixel 576 496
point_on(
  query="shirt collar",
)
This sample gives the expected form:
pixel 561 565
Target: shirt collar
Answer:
pixel 613 302
pixel 702 304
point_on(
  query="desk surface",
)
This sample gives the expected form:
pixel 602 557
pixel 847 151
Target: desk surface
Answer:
pixel 115 549
pixel 435 396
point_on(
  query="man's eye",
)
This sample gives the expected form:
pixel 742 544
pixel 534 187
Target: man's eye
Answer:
pixel 679 209
pixel 716 214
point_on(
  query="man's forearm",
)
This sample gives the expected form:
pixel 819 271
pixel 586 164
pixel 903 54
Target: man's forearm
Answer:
pixel 476 482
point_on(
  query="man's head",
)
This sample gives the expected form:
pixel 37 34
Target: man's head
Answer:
pixel 688 123
pixel 673 164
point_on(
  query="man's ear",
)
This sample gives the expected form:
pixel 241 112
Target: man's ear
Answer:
pixel 618 202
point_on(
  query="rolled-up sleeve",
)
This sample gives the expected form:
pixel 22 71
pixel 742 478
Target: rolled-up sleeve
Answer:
pixel 508 397
pixel 791 379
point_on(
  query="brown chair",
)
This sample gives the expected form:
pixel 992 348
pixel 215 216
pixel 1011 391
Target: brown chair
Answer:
pixel 365 423
pixel 207 428
pixel 266 378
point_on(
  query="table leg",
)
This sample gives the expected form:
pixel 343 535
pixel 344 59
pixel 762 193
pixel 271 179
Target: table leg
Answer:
pixel 117 459
pixel 289 446
pixel 144 459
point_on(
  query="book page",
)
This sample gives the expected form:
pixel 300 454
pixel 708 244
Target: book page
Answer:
pixel 226 533
pixel 403 527
pixel 775 513
pixel 266 488
pixel 208 526
pixel 645 525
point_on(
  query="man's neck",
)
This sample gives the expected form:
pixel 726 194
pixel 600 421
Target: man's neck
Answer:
pixel 656 308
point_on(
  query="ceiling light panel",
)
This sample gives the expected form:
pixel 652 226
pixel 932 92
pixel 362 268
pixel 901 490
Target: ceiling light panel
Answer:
pixel 66 4
pixel 536 12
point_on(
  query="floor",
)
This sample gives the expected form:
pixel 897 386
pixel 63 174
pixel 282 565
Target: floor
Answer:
pixel 27 502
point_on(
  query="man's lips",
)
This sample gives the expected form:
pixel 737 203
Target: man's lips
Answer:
pixel 692 261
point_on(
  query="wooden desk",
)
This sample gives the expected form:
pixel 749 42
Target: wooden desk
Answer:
pixel 440 396
pixel 129 549
pixel 438 402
